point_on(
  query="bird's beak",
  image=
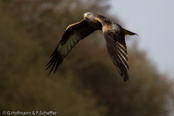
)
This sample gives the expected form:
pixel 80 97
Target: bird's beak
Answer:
pixel 85 15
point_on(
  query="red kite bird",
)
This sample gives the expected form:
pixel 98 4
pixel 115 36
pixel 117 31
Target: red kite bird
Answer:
pixel 113 33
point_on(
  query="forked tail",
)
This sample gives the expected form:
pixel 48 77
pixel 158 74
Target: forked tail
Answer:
pixel 129 32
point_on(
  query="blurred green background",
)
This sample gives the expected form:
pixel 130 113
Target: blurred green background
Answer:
pixel 87 83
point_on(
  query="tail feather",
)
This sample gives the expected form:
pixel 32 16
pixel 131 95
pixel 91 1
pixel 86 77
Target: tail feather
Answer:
pixel 127 32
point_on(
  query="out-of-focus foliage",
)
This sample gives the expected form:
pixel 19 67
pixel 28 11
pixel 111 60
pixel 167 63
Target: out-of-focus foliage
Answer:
pixel 87 83
pixel 40 17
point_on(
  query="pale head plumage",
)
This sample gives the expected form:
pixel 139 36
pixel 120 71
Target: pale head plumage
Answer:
pixel 88 16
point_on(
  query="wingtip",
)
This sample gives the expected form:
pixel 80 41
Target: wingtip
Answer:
pixel 47 67
pixel 126 79
pixel 56 60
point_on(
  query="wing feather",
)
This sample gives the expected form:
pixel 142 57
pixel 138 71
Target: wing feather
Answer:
pixel 73 34
pixel 116 47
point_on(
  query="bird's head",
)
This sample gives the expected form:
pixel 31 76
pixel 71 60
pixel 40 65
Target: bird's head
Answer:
pixel 88 16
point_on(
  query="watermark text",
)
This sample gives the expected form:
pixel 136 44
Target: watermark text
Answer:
pixel 29 113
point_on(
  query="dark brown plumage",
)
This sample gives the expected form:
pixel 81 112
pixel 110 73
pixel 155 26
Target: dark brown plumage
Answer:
pixel 113 33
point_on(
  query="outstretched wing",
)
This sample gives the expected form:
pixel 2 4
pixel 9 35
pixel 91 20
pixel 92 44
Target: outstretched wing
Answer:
pixel 116 46
pixel 73 34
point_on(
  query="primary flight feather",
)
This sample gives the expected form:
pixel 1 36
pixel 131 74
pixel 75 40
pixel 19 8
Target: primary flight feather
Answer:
pixel 113 33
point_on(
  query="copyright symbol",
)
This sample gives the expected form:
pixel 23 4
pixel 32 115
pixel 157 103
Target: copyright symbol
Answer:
pixel 4 112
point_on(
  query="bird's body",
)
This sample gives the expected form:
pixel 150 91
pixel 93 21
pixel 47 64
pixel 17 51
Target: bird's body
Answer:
pixel 113 33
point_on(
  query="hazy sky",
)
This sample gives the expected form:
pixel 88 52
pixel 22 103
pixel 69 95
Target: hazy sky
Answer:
pixel 153 20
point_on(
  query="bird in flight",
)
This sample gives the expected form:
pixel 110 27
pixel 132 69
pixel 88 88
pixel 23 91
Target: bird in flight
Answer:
pixel 114 35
